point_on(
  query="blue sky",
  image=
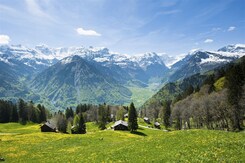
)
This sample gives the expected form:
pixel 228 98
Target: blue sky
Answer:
pixel 124 26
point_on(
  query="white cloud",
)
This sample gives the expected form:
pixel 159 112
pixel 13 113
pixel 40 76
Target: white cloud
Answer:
pixel 232 28
pixel 35 9
pixel 216 29
pixel 4 39
pixel 88 32
pixel 208 41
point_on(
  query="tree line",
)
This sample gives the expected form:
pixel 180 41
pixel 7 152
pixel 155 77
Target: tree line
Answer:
pixel 22 112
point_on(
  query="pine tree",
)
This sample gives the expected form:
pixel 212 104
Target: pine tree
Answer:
pixel 79 124
pixel 132 118
pixel 166 114
pixel 82 125
pixel 15 116
pixel 71 112
pixel 5 111
pixel 23 113
pixel 42 115
pixel 102 117
pixel 235 81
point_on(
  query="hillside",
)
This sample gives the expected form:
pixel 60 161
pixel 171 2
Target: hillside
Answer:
pixel 28 144
pixel 174 90
pixel 74 80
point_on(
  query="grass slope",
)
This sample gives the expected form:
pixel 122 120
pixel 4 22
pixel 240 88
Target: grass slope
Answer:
pixel 140 95
pixel 27 144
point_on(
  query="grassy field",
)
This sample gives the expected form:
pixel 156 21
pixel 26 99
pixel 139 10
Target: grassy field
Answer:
pixel 20 143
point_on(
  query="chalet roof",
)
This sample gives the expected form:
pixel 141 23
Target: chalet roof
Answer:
pixel 157 124
pixel 49 125
pixel 146 118
pixel 120 122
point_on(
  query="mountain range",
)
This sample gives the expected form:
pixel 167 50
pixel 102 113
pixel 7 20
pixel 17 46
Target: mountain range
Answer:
pixel 61 77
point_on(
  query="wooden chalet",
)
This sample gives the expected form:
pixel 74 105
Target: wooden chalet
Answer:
pixel 157 125
pixel 147 120
pixel 48 127
pixel 120 125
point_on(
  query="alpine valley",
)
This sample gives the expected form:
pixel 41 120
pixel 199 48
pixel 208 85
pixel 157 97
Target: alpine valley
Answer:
pixel 61 77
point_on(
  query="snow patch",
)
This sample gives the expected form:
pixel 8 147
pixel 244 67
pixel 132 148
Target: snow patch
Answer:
pixel 66 60
pixel 101 59
pixel 214 59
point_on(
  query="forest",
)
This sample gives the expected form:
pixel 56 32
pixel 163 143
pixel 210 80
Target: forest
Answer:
pixel 217 103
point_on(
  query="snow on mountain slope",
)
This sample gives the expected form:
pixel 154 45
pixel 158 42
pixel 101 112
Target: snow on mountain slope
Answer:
pixel 29 57
pixel 236 48
pixel 43 56
pixel 171 60
pixel 199 61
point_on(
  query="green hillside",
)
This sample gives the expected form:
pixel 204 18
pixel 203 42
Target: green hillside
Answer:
pixel 27 144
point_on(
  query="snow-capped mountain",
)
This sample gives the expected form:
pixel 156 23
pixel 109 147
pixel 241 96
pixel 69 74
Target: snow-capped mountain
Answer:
pixel 236 48
pixel 80 81
pixel 199 61
pixel 170 60
pixel 63 71
pixel 30 57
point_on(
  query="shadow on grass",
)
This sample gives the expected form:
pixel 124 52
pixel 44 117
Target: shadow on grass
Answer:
pixel 138 133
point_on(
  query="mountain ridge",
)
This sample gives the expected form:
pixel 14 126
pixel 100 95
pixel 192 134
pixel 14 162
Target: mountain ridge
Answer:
pixel 114 72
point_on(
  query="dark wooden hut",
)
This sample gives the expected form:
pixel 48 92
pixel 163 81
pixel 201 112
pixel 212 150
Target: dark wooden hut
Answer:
pixel 48 127
pixel 120 125
pixel 157 125
pixel 147 120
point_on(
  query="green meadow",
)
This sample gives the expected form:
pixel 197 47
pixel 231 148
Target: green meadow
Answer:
pixel 25 143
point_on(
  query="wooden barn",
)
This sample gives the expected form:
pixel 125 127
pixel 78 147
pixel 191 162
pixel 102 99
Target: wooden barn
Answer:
pixel 120 125
pixel 157 125
pixel 147 120
pixel 48 127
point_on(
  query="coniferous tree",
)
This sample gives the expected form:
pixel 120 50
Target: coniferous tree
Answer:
pixel 5 111
pixel 35 114
pixel 132 118
pixel 166 114
pixel 235 81
pixel 15 116
pixel 102 117
pixel 82 125
pixel 43 114
pixel 67 113
pixel 71 112
pixel 79 124
pixel 30 109
pixel 23 113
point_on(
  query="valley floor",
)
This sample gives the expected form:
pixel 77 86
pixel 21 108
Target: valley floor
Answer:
pixel 20 143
